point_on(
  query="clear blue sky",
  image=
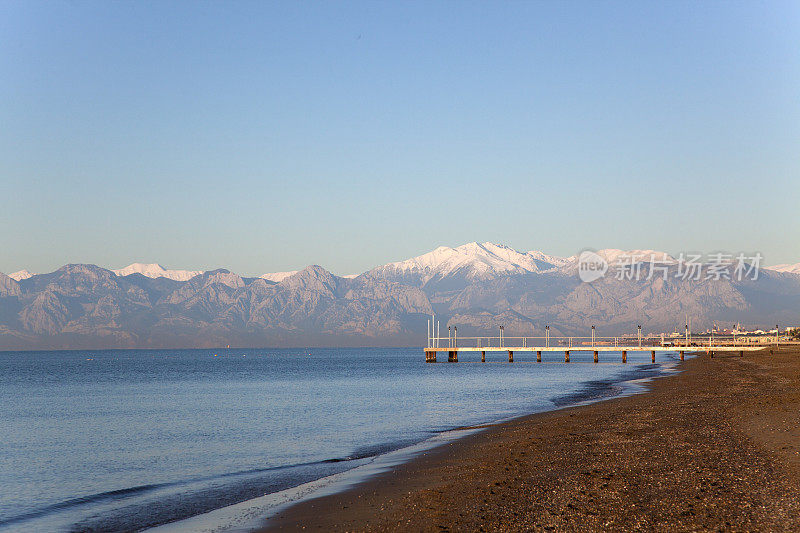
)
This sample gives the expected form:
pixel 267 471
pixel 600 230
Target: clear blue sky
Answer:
pixel 264 136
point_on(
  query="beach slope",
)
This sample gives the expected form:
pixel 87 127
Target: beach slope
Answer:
pixel 716 446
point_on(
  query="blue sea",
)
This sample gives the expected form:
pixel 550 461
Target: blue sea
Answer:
pixel 126 440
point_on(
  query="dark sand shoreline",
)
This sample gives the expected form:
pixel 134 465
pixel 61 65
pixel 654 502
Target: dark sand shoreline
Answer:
pixel 716 446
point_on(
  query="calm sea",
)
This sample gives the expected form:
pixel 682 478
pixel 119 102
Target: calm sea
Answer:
pixel 120 440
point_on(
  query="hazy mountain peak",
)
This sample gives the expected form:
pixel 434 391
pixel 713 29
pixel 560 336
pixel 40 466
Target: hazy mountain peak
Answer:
pixel 8 286
pixel 615 255
pixel 473 261
pixel 21 274
pixel 220 276
pixel 313 277
pixel 312 271
pixel 154 270
pixel 82 268
pixel 785 267
pixel 277 277
pixel 552 259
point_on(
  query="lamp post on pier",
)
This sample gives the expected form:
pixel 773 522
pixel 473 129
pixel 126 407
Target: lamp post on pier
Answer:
pixel 429 333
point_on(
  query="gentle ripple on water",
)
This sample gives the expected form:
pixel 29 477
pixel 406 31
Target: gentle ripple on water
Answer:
pixel 109 440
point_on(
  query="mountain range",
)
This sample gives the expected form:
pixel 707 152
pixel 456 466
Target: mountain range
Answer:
pixel 791 268
pixel 477 287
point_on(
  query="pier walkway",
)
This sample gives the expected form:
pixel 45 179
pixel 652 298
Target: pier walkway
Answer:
pixel 711 344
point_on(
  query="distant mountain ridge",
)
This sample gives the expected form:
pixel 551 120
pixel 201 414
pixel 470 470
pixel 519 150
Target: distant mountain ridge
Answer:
pixel 474 260
pixel 154 270
pixel 789 268
pixel 20 275
pixel 277 277
pixel 476 286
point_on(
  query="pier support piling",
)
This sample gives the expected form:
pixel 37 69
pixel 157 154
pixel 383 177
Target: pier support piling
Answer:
pixel 483 357
pixel 510 356
pixel 595 356
pixel 566 356
pixel 538 356
pixel 652 356
pixel 681 355
pixel 624 356
pixel 452 356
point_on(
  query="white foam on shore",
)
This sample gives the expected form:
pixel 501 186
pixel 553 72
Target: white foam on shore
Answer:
pixel 253 514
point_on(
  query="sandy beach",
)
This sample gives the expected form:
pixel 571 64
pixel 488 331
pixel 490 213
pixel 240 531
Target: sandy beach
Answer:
pixel 715 447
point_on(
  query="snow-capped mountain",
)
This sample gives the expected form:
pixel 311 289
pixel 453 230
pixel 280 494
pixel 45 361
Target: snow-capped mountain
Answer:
pixel 277 277
pixel 485 261
pixel 786 267
pixel 20 275
pixel 475 286
pixel 551 259
pixel 154 270
pixel 472 261
pixel 615 256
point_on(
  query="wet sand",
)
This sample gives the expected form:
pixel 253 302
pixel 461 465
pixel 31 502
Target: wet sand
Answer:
pixel 716 447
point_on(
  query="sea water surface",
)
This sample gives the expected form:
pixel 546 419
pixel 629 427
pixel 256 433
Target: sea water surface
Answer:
pixel 125 440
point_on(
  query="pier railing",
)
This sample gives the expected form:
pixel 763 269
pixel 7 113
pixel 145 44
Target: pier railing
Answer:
pixel 708 342
pixel 588 342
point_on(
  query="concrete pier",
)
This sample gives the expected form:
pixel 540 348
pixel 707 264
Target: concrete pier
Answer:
pixel 567 345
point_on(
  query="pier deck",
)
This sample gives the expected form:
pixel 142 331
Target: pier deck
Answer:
pixel 452 352
pixel 452 345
